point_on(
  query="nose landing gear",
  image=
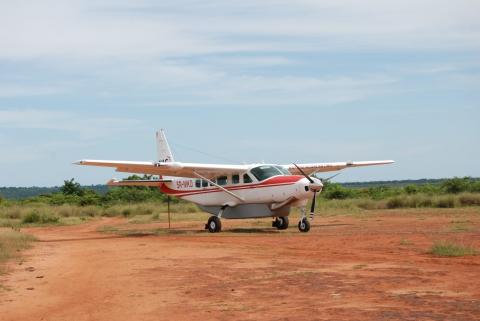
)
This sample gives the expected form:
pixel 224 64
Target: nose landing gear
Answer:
pixel 303 224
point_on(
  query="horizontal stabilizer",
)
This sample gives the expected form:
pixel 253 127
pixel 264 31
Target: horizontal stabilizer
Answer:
pixel 140 182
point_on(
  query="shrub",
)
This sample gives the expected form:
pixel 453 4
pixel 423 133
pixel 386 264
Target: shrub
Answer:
pixel 337 191
pixel 32 217
pixel 446 201
pixel 456 185
pixel 469 200
pixel 396 202
pixel 368 204
pixel 127 212
pixel 40 218
pixel 411 189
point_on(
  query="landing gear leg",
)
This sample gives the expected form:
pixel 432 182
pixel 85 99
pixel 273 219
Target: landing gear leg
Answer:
pixel 303 224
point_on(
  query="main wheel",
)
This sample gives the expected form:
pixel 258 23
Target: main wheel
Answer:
pixel 304 225
pixel 281 222
pixel 214 224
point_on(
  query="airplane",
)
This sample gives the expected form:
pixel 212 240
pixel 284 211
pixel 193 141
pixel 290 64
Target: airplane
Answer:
pixel 233 191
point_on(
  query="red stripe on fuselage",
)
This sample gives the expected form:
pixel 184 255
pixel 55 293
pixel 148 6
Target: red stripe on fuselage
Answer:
pixel 271 182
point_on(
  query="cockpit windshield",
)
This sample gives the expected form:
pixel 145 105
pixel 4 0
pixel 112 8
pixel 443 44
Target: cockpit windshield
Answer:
pixel 265 171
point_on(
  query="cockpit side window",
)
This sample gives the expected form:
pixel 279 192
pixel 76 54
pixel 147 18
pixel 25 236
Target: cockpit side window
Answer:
pixel 265 171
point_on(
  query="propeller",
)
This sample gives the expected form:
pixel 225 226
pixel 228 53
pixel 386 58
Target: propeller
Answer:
pixel 315 187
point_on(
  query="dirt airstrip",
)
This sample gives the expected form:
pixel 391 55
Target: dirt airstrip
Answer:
pixel 363 267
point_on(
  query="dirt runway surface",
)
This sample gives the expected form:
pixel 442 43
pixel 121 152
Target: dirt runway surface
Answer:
pixel 373 267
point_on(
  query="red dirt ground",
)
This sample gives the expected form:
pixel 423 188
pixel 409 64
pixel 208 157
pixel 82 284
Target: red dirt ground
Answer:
pixel 373 267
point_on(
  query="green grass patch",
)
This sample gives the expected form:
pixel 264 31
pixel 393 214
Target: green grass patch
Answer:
pixel 450 249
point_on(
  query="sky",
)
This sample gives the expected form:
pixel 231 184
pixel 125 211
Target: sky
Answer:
pixel 272 81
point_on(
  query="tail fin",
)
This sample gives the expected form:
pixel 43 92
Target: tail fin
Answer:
pixel 164 154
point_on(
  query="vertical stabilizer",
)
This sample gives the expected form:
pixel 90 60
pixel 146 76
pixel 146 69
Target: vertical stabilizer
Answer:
pixel 164 154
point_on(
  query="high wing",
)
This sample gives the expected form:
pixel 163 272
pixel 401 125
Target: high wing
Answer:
pixel 330 167
pixel 167 169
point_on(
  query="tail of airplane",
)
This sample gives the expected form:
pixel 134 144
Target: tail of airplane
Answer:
pixel 164 154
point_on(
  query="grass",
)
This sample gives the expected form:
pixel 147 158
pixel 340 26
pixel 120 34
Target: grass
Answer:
pixel 461 226
pixel 18 214
pixel 11 243
pixel 405 242
pixel 449 249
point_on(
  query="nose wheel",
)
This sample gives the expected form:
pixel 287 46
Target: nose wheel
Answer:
pixel 304 225
pixel 214 225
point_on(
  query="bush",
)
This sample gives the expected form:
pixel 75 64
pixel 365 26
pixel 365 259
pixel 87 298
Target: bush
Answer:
pixel 447 201
pixel 456 185
pixel 127 212
pixel 40 218
pixel 337 191
pixel 396 202
pixel 411 189
pixel 469 199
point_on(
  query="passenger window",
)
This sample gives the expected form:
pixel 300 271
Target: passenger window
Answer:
pixel 247 179
pixel 235 179
pixel 214 180
pixel 222 180
pixel 204 183
pixel 198 183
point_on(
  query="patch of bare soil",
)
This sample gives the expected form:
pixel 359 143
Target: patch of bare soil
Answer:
pixel 347 268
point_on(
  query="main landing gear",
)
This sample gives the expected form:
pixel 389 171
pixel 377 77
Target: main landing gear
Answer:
pixel 214 224
pixel 281 222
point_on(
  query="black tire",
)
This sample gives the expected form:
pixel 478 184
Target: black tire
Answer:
pixel 281 222
pixel 214 224
pixel 304 225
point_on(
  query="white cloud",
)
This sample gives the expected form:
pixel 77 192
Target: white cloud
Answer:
pixel 92 29
pixel 86 128
pixel 15 90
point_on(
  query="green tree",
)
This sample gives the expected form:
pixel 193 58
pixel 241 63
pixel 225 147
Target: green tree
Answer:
pixel 456 185
pixel 70 187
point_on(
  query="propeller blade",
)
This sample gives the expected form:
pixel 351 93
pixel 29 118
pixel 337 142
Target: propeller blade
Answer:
pixel 303 173
pixel 312 208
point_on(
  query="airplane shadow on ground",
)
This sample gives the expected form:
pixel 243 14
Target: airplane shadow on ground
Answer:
pixel 166 232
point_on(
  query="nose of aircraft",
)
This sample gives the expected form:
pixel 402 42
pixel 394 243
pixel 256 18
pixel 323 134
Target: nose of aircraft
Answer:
pixel 315 186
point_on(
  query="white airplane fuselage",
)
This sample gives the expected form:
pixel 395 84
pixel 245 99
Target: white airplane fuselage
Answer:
pixel 276 189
